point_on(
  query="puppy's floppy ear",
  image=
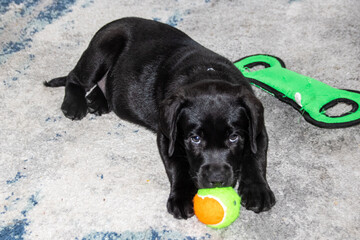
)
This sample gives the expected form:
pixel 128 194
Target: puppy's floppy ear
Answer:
pixel 169 114
pixel 255 113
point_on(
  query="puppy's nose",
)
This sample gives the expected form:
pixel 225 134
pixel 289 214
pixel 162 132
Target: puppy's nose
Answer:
pixel 217 178
pixel 216 175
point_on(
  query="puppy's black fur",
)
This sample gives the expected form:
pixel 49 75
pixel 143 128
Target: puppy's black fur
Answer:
pixel 210 126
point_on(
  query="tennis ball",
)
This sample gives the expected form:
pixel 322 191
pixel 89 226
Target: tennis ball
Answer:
pixel 217 207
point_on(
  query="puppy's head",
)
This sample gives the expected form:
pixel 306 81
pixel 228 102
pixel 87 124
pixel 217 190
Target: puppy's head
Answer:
pixel 214 125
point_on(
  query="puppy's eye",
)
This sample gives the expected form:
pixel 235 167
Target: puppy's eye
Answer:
pixel 234 138
pixel 195 139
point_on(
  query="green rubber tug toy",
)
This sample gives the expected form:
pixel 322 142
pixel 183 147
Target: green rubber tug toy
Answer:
pixel 309 96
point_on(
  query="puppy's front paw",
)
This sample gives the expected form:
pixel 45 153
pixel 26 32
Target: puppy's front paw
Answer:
pixel 180 207
pixel 256 197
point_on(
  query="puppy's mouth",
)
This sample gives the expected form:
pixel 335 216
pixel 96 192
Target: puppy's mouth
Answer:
pixel 207 184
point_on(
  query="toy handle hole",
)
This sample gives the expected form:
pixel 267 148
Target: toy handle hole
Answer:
pixel 339 107
pixel 256 66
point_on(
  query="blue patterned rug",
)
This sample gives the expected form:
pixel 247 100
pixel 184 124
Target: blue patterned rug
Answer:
pixel 102 178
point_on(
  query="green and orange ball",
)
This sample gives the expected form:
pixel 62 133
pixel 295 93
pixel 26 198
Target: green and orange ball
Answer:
pixel 217 207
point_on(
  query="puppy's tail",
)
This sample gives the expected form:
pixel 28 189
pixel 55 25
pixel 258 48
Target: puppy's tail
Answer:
pixel 56 82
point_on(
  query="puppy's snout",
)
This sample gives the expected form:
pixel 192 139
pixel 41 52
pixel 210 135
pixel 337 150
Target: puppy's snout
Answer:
pixel 215 175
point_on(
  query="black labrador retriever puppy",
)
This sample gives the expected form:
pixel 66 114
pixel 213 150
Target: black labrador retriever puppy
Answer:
pixel 209 125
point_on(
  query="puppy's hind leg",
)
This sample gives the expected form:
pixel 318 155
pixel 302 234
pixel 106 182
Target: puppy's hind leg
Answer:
pixel 93 65
pixel 73 106
pixel 81 79
pixel 96 100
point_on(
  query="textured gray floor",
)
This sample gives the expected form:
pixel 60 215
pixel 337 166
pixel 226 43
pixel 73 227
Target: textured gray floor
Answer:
pixel 102 177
